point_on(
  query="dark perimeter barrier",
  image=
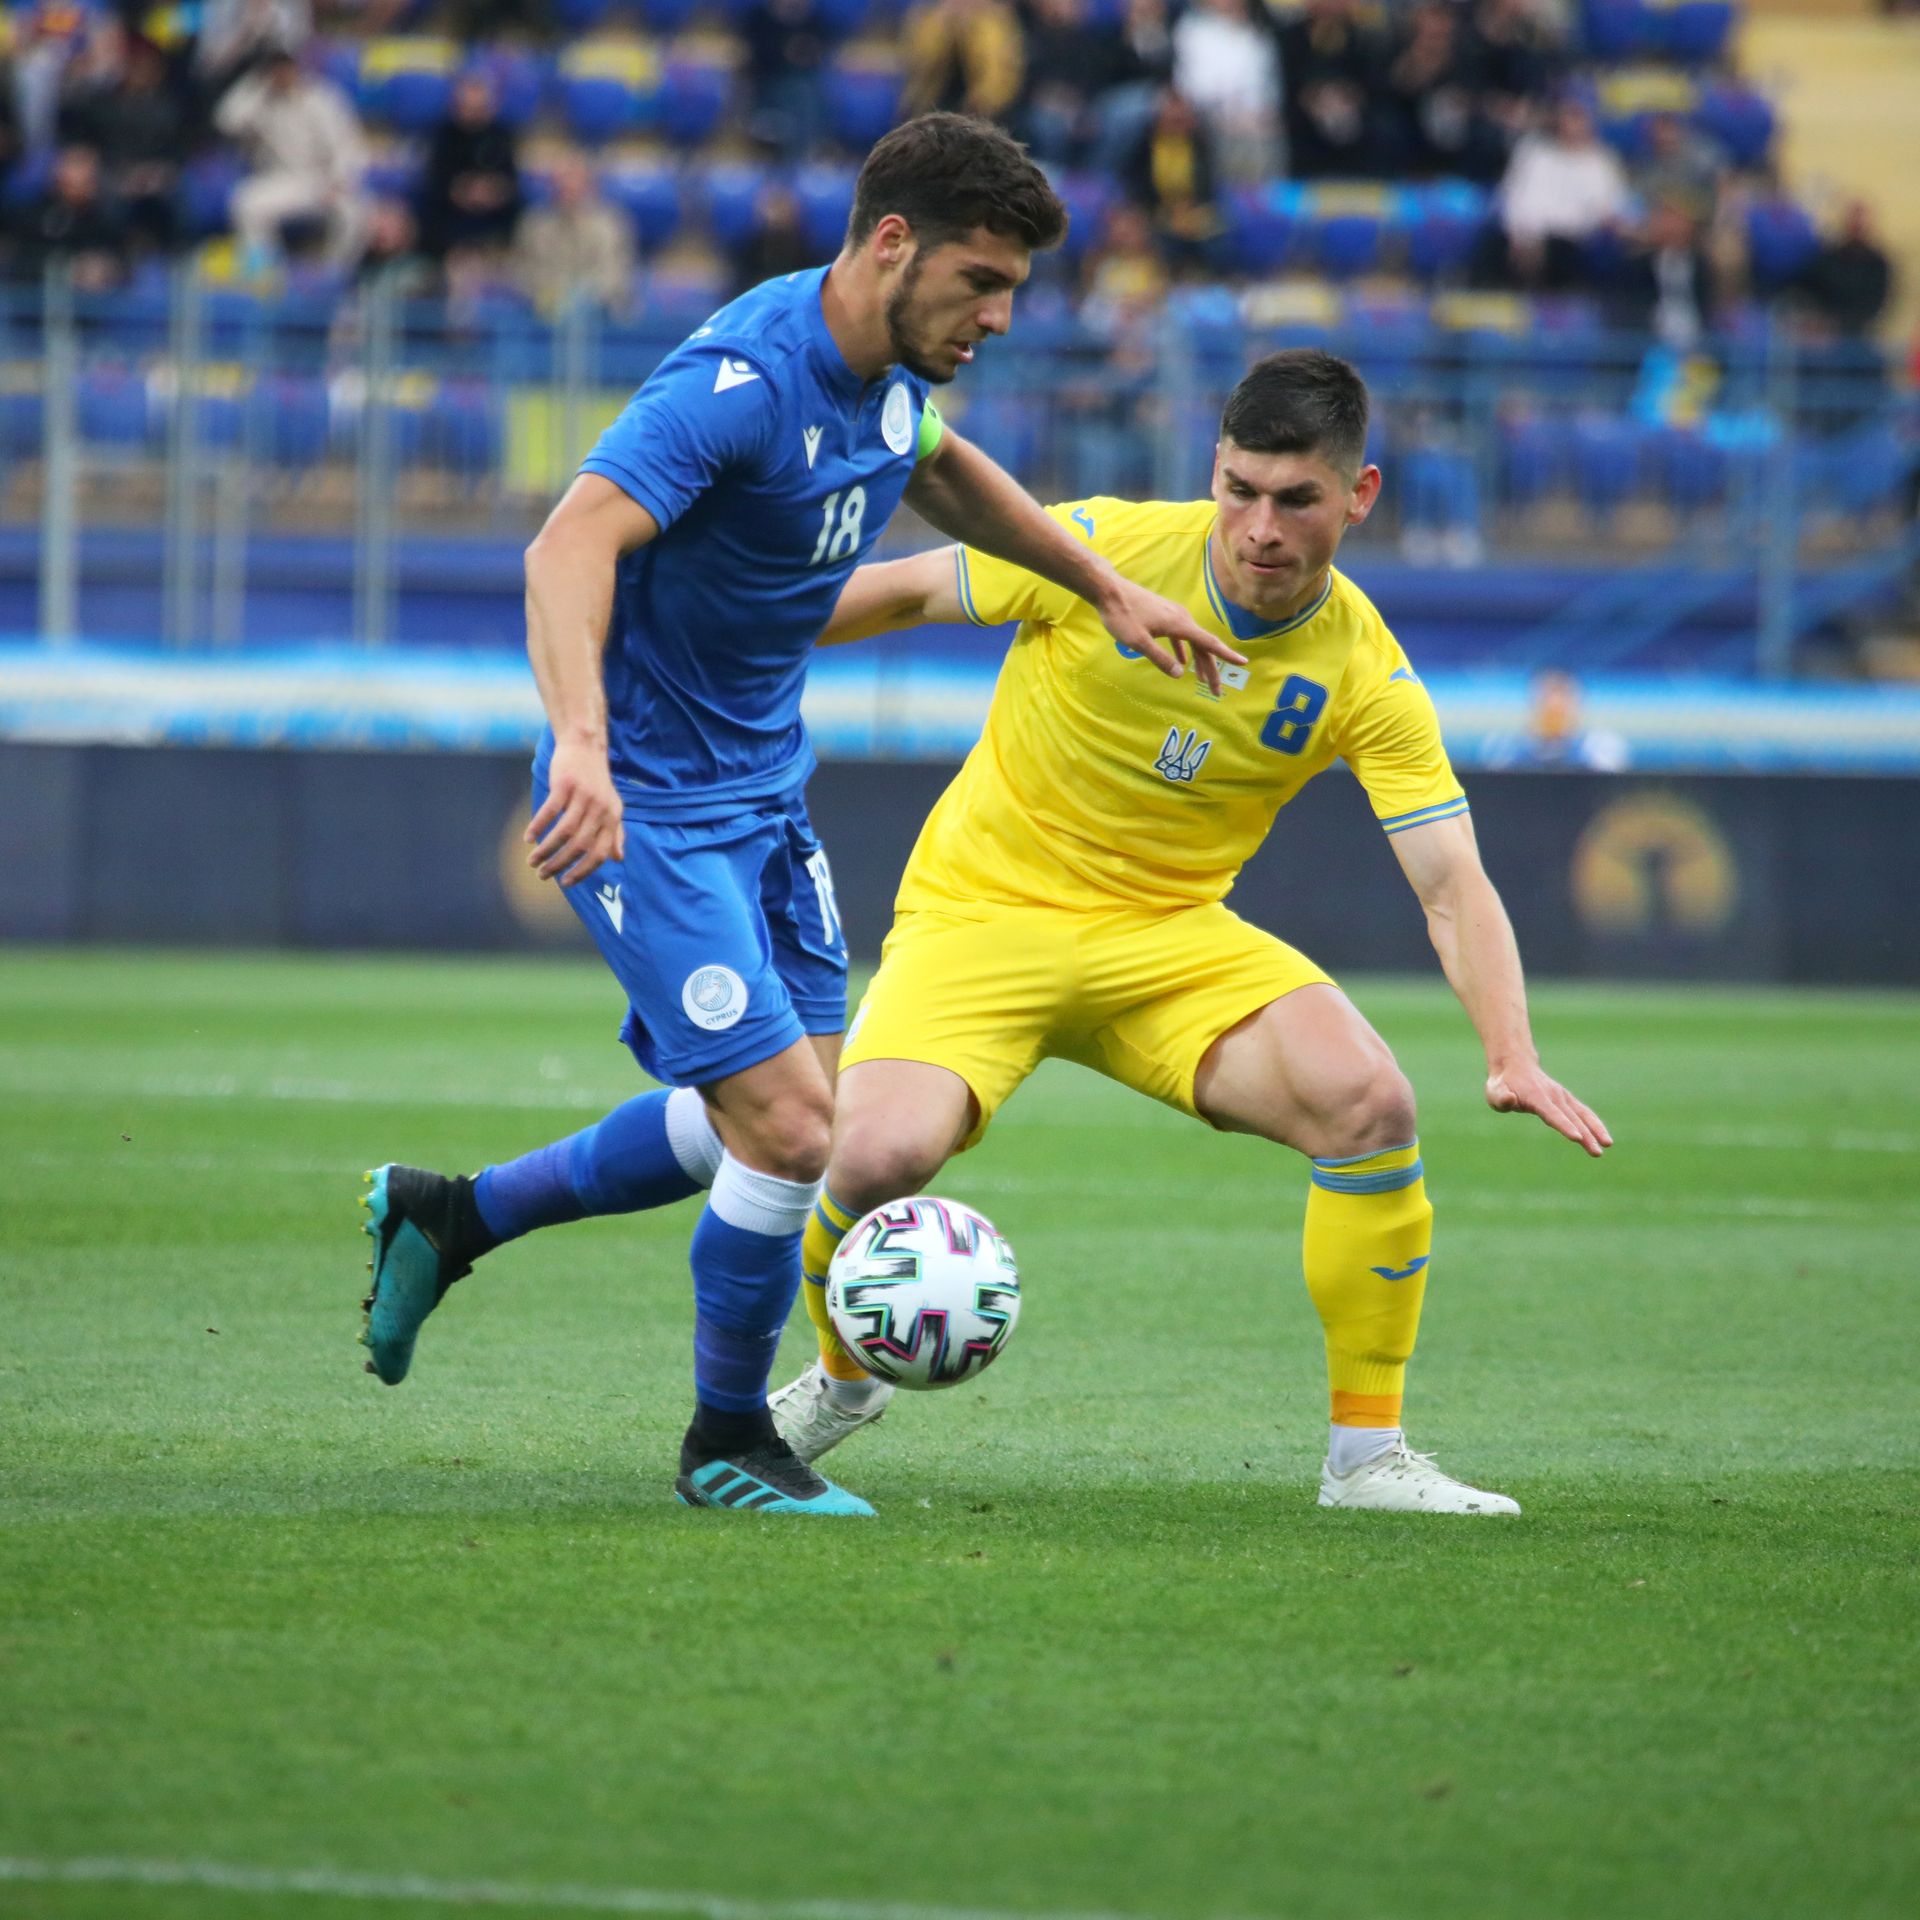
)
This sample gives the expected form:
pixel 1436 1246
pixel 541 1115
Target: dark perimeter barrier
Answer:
pixel 1777 878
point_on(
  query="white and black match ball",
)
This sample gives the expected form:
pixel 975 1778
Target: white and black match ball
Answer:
pixel 924 1292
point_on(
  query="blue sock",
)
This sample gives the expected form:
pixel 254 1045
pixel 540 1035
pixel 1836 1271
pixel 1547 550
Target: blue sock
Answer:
pixel 621 1164
pixel 745 1280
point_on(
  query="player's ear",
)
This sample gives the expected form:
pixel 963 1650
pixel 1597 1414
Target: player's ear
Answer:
pixel 1366 490
pixel 891 240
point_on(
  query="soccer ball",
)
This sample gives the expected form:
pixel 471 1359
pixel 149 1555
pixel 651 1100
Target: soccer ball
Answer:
pixel 923 1292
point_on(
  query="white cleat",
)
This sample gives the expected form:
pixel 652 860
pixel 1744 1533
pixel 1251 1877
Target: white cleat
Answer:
pixel 811 1422
pixel 1402 1481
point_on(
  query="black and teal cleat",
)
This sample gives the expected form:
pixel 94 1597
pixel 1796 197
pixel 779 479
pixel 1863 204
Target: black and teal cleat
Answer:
pixel 426 1235
pixel 768 1477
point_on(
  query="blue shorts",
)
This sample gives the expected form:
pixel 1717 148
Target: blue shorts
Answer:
pixel 724 934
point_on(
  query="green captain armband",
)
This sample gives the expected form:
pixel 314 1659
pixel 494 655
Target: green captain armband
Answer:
pixel 931 428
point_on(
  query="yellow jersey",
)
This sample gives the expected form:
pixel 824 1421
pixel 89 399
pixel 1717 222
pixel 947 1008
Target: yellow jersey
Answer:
pixel 1099 782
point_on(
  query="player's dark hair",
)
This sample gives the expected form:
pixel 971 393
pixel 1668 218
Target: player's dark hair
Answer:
pixel 1300 400
pixel 945 174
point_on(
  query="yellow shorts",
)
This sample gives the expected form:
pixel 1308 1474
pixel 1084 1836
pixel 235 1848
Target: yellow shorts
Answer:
pixel 991 992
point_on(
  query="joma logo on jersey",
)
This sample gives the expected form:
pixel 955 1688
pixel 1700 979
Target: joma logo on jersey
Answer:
pixel 1182 756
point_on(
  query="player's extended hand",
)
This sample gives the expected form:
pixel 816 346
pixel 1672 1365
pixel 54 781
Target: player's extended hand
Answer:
pixel 581 826
pixel 1530 1089
pixel 1140 620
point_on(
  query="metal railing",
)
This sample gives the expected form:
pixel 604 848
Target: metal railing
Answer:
pixel 350 430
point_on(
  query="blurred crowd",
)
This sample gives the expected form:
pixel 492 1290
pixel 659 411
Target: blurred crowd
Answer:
pixel 1184 109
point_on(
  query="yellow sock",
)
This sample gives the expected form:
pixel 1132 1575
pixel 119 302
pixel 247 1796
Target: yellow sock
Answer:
pixel 1368 1239
pixel 826 1227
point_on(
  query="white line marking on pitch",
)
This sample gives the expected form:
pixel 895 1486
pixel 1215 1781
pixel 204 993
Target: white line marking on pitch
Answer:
pixel 417 1888
pixel 222 1877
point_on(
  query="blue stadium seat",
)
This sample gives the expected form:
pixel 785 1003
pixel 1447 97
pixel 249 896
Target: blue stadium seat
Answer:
pixel 650 194
pixel 111 404
pixel 581 16
pixel 1534 457
pixel 1444 223
pixel 206 192
pixel 732 193
pixel 695 97
pixel 1088 198
pixel 607 89
pixel 1695 32
pixel 1347 244
pixel 1691 469
pixel 294 409
pixel 825 194
pixel 1606 461
pixel 1439 489
pixel 408 83
pixel 1618 30
pixel 1739 119
pixel 667 16
pixel 1261 227
pixel 863 99
pixel 395 174
pixel 519 79
pixel 842 19
pixel 23 422
pixel 1780 241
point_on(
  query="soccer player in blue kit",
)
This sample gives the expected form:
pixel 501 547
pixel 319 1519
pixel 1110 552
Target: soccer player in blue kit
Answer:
pixel 673 599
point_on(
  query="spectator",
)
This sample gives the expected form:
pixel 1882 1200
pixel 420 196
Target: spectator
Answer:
pixel 1556 735
pixel 965 56
pixel 1666 285
pixel 1850 280
pixel 1227 67
pixel 779 243
pixel 1126 279
pixel 1333 68
pixel 1069 63
pixel 47 38
pixel 1562 187
pixel 1515 50
pixel 575 244
pixel 72 219
pixel 1680 169
pixel 138 125
pixel 470 198
pixel 1142 66
pixel 238 35
pixel 786 59
pixel 1171 176
pixel 1433 85
pixel 309 159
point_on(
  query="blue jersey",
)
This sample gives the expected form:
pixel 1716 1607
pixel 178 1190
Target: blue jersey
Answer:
pixel 771 467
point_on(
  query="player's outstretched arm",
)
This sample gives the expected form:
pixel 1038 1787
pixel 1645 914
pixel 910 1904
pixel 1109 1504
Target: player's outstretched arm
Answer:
pixel 570 573
pixel 972 500
pixel 1474 939
pixel 883 598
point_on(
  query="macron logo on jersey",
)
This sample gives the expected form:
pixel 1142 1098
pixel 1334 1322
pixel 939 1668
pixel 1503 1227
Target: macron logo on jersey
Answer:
pixel 609 897
pixel 811 435
pixel 733 373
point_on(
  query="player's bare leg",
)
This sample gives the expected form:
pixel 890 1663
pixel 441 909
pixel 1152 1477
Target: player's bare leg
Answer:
pixel 896 1123
pixel 1308 1072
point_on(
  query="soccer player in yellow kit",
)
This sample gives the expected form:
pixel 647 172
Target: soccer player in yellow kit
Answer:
pixel 1065 899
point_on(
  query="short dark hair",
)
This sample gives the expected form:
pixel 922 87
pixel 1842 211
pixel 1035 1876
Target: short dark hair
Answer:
pixel 1300 400
pixel 945 174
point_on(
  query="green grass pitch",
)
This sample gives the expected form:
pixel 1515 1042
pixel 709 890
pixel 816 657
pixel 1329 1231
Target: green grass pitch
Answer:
pixel 1100 1653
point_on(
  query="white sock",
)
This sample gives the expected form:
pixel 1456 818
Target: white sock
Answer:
pixel 691 1136
pixel 853 1396
pixel 1350 1447
pixel 761 1202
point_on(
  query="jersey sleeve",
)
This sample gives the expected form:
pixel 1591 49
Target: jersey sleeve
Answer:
pixel 993 591
pixel 1392 742
pixel 705 411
